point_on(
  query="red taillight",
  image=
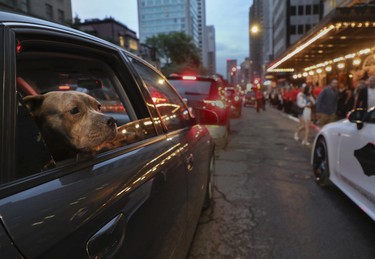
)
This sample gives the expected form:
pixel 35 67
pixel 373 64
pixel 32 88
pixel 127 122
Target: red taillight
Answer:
pixel 64 87
pixel 189 78
pixel 18 47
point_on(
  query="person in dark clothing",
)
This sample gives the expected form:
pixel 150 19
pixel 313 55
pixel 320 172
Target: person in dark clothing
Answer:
pixel 366 95
pixel 345 101
pixel 326 103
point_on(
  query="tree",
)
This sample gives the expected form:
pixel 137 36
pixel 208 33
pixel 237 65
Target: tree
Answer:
pixel 178 50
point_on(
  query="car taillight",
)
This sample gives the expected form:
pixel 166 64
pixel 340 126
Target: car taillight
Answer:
pixel 216 103
pixel 189 78
pixel 64 87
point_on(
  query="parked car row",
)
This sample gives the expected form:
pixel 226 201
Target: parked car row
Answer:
pixel 100 157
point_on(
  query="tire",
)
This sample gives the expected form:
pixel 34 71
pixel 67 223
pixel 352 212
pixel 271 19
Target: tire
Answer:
pixel 210 182
pixel 321 163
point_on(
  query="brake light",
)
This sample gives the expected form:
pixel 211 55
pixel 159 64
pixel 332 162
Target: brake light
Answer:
pixel 189 78
pixel 64 87
pixel 216 103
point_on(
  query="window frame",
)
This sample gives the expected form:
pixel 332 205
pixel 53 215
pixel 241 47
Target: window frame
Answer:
pixel 118 65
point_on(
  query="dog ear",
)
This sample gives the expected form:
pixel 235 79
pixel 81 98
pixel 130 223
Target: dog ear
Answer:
pixel 33 102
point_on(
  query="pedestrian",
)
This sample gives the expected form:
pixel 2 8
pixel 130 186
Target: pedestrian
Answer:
pixel 326 103
pixel 345 100
pixel 259 99
pixel 305 100
pixel 366 95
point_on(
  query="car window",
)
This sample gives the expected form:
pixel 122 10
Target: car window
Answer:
pixel 174 113
pixel 188 88
pixel 70 107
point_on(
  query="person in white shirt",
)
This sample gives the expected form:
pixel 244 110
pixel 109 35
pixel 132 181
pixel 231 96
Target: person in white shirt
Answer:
pixel 304 100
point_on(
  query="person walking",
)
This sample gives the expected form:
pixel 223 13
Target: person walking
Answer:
pixel 326 103
pixel 366 95
pixel 305 100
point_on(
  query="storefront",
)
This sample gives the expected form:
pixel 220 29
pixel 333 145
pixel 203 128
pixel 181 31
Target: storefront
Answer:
pixel 341 46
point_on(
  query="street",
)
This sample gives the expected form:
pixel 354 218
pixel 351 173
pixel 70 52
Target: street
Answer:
pixel 267 205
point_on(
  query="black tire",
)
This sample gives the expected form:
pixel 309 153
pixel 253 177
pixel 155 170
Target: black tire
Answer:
pixel 321 163
pixel 210 182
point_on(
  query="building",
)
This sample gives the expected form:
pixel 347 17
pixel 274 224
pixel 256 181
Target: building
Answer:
pixel 58 11
pixel 341 45
pixel 211 50
pixel 292 20
pixel 111 30
pixel 164 16
pixel 261 37
pixel 232 71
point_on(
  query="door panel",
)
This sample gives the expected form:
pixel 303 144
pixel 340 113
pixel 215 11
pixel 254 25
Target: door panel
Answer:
pixel 59 217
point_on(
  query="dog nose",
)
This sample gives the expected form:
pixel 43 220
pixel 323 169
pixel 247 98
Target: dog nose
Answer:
pixel 111 122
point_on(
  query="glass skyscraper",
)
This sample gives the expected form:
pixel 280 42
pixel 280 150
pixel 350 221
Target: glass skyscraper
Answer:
pixel 164 16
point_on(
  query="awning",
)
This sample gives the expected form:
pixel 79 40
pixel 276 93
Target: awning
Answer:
pixel 344 34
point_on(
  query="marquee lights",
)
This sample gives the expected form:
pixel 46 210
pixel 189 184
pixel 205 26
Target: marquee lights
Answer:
pixel 323 32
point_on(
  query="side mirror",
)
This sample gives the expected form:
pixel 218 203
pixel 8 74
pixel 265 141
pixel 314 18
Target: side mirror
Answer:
pixel 357 116
pixel 205 117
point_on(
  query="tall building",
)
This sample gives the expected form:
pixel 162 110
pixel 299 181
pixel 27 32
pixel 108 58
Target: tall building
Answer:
pixel 59 11
pixel 260 33
pixel 164 16
pixel 292 20
pixel 211 50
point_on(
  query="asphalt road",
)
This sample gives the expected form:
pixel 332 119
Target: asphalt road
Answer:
pixel 267 205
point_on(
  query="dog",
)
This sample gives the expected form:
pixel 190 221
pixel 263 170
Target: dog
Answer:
pixel 71 123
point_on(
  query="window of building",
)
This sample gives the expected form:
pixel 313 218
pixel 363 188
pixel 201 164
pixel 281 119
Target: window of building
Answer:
pixel 300 29
pixel 61 16
pixel 293 29
pixel 301 10
pixel 293 10
pixel 308 9
pixel 315 9
pixel 49 11
pixel 307 27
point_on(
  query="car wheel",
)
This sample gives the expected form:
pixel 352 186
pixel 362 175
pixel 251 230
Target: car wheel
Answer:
pixel 320 163
pixel 210 185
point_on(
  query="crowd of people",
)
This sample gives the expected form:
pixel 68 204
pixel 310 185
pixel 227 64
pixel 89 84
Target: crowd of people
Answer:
pixel 322 105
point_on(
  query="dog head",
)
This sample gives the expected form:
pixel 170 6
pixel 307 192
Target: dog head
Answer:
pixel 71 121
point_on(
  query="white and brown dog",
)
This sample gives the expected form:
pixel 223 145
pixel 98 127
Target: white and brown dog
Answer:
pixel 71 123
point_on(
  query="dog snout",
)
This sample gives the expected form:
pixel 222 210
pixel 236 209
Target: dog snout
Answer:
pixel 111 122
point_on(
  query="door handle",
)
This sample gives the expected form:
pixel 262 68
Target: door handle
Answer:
pixel 107 241
pixel 190 162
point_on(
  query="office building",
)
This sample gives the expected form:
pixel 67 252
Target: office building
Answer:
pixel 164 16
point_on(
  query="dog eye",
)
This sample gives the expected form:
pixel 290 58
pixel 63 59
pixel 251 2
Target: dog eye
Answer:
pixel 75 110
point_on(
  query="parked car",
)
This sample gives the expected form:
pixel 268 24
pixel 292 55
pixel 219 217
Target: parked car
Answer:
pixel 138 193
pixel 249 99
pixel 343 154
pixel 234 100
pixel 209 93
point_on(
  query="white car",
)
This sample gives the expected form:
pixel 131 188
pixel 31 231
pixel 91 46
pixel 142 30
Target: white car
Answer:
pixel 344 154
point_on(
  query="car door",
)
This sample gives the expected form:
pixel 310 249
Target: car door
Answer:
pixel 356 159
pixel 128 201
pixel 195 144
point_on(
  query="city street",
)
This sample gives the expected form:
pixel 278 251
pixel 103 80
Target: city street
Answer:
pixel 267 205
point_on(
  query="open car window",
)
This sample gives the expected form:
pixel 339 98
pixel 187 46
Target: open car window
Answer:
pixel 69 106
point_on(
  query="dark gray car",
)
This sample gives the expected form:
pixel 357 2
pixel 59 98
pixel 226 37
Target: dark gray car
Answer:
pixel 138 199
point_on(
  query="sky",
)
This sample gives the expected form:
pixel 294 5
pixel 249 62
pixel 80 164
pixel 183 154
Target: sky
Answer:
pixel 229 17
